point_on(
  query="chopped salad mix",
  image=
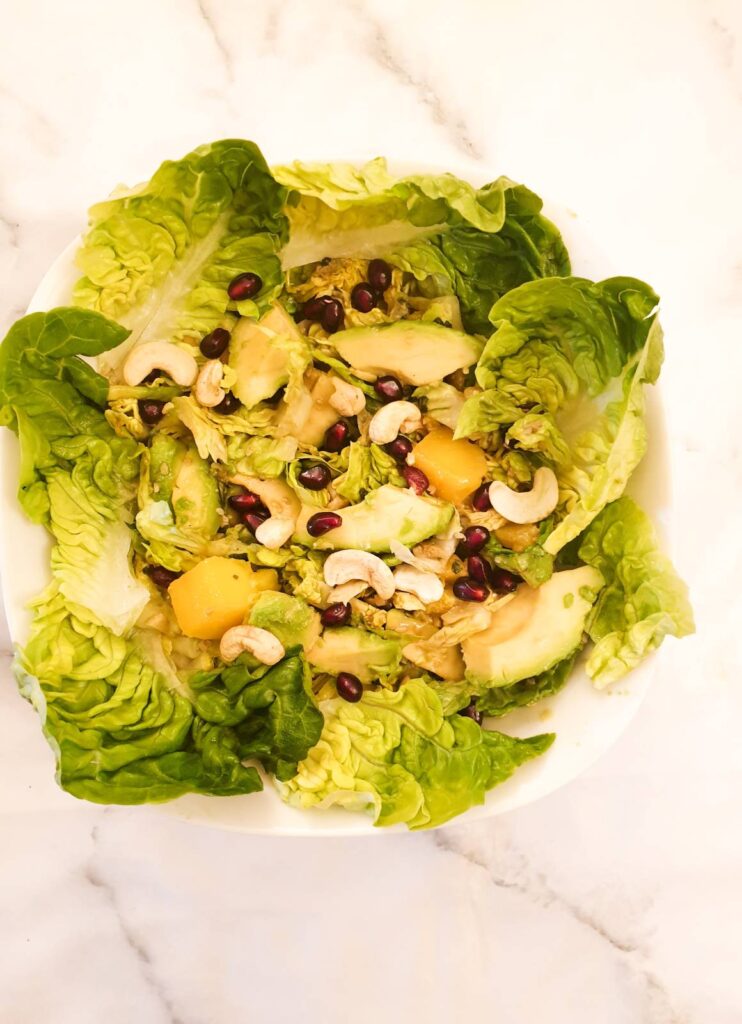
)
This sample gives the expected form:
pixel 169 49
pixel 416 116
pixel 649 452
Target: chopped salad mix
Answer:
pixel 334 466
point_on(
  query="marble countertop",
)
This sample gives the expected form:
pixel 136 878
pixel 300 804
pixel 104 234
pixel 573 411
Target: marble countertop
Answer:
pixel 617 899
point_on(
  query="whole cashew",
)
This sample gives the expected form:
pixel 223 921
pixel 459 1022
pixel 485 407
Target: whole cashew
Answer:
pixel 424 585
pixel 526 506
pixel 346 399
pixel 281 502
pixel 274 532
pixel 160 355
pixel 259 642
pixel 207 390
pixel 387 423
pixel 344 566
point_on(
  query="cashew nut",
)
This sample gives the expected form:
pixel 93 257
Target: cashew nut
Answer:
pixel 259 642
pixel 344 566
pixel 387 423
pixel 346 398
pixel 207 390
pixel 346 592
pixel 160 355
pixel 283 505
pixel 526 506
pixel 424 585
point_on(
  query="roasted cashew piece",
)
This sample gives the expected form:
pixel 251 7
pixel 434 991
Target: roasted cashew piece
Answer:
pixel 160 355
pixel 344 566
pixel 387 423
pixel 259 642
pixel 426 586
pixel 208 391
pixel 526 506
pixel 346 399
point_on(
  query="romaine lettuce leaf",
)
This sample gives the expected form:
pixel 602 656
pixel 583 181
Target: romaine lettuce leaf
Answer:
pixel 395 752
pixel 158 258
pixel 643 600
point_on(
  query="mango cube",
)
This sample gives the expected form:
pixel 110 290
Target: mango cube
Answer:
pixel 217 594
pixel 454 468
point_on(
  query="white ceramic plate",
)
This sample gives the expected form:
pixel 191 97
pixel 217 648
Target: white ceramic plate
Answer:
pixel 586 722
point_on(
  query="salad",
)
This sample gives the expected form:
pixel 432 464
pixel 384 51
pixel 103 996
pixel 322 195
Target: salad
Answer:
pixel 334 467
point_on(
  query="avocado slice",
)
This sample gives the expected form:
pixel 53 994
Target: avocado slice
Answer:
pixel 534 631
pixel 320 414
pixel 165 458
pixel 260 354
pixel 415 351
pixel 288 618
pixel 348 649
pixel 195 495
pixel 386 514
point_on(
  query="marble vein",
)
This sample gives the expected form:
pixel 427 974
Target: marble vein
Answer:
pixel 216 37
pixel 535 887
pixel 381 50
pixel 94 876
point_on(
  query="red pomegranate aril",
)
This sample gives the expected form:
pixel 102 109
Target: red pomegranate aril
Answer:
pixel 479 568
pixel 363 298
pixel 161 576
pixel 416 479
pixel 229 404
pixel 475 537
pixel 399 448
pixel 215 343
pixel 388 388
pixel 316 477
pixel 504 582
pixel 244 286
pixel 337 437
pixel 332 316
pixel 379 275
pixel 481 498
pixel 471 712
pixel 254 519
pixel 468 589
pixel 335 614
pixel 349 687
pixel 150 410
pixel 322 522
pixel 312 309
pixel 245 502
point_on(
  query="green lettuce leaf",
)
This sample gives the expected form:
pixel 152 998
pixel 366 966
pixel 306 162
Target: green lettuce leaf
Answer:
pixel 396 753
pixel 643 600
pixel 158 258
pixel 369 467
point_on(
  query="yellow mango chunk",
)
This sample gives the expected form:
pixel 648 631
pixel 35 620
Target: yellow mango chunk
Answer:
pixel 454 468
pixel 216 595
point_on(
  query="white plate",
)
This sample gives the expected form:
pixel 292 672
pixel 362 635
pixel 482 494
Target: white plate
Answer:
pixel 586 722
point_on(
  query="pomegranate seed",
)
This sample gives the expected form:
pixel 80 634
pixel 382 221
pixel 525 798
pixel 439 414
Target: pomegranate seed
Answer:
pixel 503 581
pixel 229 404
pixel 388 388
pixel 254 519
pixel 215 343
pixel 337 437
pixel 468 589
pixel 379 275
pixel 481 498
pixel 332 316
pixel 475 537
pixel 479 568
pixel 313 307
pixel 150 410
pixel 315 477
pixel 363 298
pixel 471 712
pixel 244 286
pixel 416 479
pixel 349 687
pixel 323 522
pixel 247 501
pixel 399 448
pixel 161 576
pixel 335 614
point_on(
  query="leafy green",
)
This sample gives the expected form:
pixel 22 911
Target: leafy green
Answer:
pixel 158 258
pixel 643 600
pixel 501 700
pixel 395 752
pixel 264 457
pixel 369 467
pixel 443 402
